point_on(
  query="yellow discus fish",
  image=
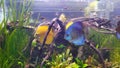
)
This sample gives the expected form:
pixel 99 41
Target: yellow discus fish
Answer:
pixel 41 32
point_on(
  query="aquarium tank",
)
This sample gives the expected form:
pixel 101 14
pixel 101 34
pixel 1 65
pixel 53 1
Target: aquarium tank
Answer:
pixel 59 33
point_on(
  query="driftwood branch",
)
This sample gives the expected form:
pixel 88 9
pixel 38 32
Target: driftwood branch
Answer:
pixel 51 46
pixel 47 56
pixel 45 38
pixel 97 51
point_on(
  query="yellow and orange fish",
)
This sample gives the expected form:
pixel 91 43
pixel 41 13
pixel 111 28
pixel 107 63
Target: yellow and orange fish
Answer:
pixel 41 31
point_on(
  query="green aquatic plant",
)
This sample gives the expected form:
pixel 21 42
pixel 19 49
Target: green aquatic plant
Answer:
pixel 13 39
pixel 13 47
pixel 100 39
pixel 115 53
pixel 80 63
pixel 110 43
pixel 64 60
pixel 20 12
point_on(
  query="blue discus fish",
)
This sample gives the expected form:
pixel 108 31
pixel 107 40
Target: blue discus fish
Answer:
pixel 118 35
pixel 118 30
pixel 74 33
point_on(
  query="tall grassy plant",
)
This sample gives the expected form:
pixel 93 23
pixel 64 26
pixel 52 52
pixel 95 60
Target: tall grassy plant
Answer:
pixel 102 40
pixel 13 42
pixel 109 41
pixel 20 12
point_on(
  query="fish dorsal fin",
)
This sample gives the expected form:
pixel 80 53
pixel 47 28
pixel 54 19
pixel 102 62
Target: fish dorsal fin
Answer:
pixel 68 24
pixel 62 18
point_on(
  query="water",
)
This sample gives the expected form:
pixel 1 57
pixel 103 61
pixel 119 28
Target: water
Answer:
pixel 1 15
pixel 50 15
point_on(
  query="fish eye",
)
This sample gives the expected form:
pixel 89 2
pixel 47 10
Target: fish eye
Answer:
pixel 67 35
